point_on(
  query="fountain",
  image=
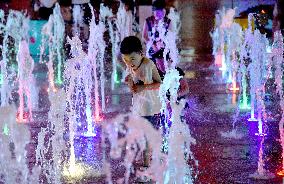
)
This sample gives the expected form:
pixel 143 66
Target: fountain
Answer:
pixel 218 40
pixel 277 54
pixel 53 37
pixel 96 50
pixel 80 85
pixel 261 173
pixel 234 134
pixel 80 81
pixel 227 17
pixel 235 37
pixel 13 153
pixel 26 80
pixel 115 40
pixel 243 69
pixel 124 27
pixel 17 28
pixel 256 72
pixel 257 80
pixel 78 19
pixel 178 135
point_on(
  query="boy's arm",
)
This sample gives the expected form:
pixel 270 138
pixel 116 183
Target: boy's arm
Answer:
pixel 184 88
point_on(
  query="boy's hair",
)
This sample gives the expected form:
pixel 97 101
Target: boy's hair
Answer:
pixel 65 2
pixel 158 5
pixel 130 44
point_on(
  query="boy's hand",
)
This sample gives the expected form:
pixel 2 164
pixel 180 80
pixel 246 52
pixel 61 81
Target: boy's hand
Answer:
pixel 137 88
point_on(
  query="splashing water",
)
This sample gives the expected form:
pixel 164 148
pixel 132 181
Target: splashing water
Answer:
pixel 115 40
pixel 179 137
pixel 256 72
pixel 26 79
pixel 136 132
pixel 180 140
pixel 218 40
pixel 96 50
pixel 261 173
pixel 234 42
pixel 53 32
pixel 80 81
pixel 13 153
pixel 78 19
pixel 59 30
pixel 226 21
pixel 277 54
pixel 124 23
pixel 17 28
pixel 243 69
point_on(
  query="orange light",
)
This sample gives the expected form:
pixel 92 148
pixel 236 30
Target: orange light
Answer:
pixel 280 173
pixel 23 119
pixel 234 89
pixel 262 11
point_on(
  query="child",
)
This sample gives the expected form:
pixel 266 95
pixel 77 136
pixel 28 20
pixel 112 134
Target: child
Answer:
pixel 144 82
pixel 151 34
pixel 143 79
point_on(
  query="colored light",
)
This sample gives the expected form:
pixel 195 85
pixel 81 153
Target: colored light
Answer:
pixel 116 80
pixel 98 118
pixel 59 81
pixel 244 106
pixel 23 119
pixel 74 170
pixel 6 129
pixel 244 103
pixel 280 173
pixel 234 89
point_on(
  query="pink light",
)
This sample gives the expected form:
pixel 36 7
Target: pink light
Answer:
pixel 98 118
pixel 218 59
pixel 23 119
pixel 97 115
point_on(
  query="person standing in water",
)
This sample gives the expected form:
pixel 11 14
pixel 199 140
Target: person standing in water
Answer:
pixel 144 81
pixel 151 34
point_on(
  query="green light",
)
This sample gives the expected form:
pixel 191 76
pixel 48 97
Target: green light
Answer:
pixel 6 130
pixel 59 80
pixel 116 80
pixel 244 106
pixel 244 103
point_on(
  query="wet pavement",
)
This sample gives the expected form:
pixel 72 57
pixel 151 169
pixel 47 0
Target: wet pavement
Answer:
pixel 211 110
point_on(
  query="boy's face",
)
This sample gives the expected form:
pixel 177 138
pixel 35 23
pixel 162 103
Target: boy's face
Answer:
pixel 132 60
pixel 159 14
